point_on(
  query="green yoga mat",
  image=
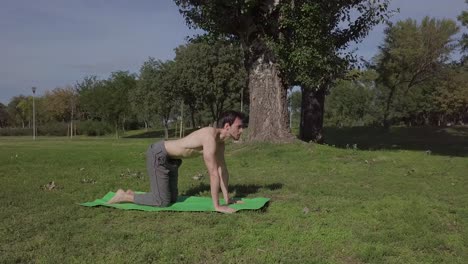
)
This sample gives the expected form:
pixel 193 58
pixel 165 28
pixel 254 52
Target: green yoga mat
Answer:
pixel 184 203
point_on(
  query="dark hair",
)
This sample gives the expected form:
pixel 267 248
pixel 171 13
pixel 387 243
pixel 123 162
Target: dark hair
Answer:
pixel 229 117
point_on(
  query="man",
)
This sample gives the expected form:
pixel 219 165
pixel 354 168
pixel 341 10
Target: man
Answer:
pixel 164 158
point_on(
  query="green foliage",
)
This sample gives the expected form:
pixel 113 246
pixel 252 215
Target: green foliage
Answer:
pixel 93 128
pixel 4 116
pixel 305 36
pixel 91 93
pixel 210 75
pixel 59 103
pixel 19 110
pixel 411 55
pixel 314 34
pixel 53 129
pixel 450 96
pixel 107 100
pixel 302 40
pixel 157 91
pixel 352 102
pixel 15 131
pixel 143 99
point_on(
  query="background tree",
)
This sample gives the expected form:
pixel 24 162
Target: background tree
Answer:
pixel 188 84
pixel 20 111
pixel 117 107
pixel 4 116
pixel 108 100
pixel 295 99
pixel 157 93
pixel 143 98
pixel 166 91
pixel 211 75
pixel 59 103
pixel 411 55
pixel 450 98
pixel 85 90
pixel 281 35
pixel 351 101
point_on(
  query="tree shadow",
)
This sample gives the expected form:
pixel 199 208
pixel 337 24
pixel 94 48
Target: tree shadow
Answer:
pixel 241 190
pixel 447 141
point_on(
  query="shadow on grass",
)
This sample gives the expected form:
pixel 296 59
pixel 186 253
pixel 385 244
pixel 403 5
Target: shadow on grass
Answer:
pixel 448 141
pixel 158 133
pixel 241 190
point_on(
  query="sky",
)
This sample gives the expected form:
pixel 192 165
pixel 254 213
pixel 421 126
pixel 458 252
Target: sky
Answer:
pixel 55 43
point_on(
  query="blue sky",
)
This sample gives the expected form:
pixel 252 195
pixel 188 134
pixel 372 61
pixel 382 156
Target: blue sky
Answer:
pixel 54 43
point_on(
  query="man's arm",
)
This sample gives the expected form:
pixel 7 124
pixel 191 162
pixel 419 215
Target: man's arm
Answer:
pixel 209 156
pixel 223 172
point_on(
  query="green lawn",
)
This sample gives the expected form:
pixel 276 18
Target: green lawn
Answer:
pixel 329 204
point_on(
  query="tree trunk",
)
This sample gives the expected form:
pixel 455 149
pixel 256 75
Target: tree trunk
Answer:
pixel 312 110
pixel 123 126
pixel 192 117
pixel 116 130
pixel 166 128
pixel 268 120
pixel 388 103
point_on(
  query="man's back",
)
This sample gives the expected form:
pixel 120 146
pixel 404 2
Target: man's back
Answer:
pixel 192 144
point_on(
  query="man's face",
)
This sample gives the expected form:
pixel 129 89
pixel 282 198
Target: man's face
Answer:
pixel 235 130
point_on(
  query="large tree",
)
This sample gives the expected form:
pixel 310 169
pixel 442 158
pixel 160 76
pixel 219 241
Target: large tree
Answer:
pixel 280 39
pixel 412 54
pixel 253 23
pixel 312 49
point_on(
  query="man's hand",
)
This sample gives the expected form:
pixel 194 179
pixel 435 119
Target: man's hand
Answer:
pixel 225 209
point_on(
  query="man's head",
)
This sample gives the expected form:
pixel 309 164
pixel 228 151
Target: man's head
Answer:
pixel 232 122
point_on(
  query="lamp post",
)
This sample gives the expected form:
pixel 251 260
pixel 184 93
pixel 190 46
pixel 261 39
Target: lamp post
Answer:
pixel 34 114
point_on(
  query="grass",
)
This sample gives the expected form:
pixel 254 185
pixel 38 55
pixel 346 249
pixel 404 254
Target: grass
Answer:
pixel 329 204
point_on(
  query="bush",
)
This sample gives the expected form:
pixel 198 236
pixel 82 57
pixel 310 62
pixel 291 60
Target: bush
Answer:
pixel 53 129
pixel 88 127
pixel 15 131
pixel 93 128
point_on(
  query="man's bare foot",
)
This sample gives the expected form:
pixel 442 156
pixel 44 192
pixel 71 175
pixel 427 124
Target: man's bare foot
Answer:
pixel 120 196
pixel 130 192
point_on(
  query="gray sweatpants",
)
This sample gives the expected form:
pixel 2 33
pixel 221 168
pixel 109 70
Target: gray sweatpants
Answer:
pixel 163 174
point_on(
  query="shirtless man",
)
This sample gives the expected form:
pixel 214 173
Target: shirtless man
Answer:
pixel 164 158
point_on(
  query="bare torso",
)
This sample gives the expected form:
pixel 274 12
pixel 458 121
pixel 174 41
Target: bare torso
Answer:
pixel 191 145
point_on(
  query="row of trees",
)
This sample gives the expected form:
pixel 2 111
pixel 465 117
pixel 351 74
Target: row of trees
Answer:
pixel 257 49
pixel 411 81
pixel 206 76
